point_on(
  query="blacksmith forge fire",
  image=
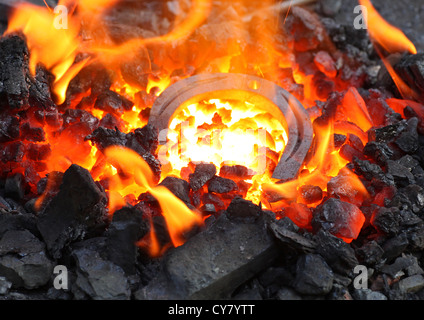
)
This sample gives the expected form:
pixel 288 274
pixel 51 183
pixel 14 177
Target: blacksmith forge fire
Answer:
pixel 209 149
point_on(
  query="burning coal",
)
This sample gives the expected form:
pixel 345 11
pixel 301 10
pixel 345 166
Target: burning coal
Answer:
pixel 94 92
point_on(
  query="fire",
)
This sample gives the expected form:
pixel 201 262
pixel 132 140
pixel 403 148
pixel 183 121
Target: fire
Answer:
pixel 135 174
pixel 389 37
pixel 222 132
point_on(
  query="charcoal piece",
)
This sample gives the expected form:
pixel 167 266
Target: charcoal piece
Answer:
pixel 178 187
pixel 237 172
pixel 15 187
pixel 72 116
pixel 392 220
pixel 78 207
pixel 221 185
pixel 339 255
pixel 23 260
pixel 416 239
pixel 99 279
pixel 410 197
pixel 372 171
pixel 35 134
pixel 368 294
pixel 407 264
pixel 40 91
pixel 400 174
pixel 17 221
pixel 202 174
pixel 349 153
pixel 208 209
pixel 13 151
pixel 126 228
pixel 339 140
pixel 9 127
pixel 387 133
pixel 215 200
pixel 340 218
pixel 213 263
pixel 112 102
pixel 14 72
pixel 111 121
pixel 408 140
pixel 93 76
pixel 394 246
pixel 310 194
pixel 313 275
pixel 370 253
pixel 304 29
pixel 136 72
pixel 411 284
pixel 103 138
pixel 379 151
pixel 143 140
pixel 411 69
pixel 286 234
pixel 342 188
pixel 245 210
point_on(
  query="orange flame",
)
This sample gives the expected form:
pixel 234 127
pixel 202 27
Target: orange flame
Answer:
pixel 179 218
pixel 389 37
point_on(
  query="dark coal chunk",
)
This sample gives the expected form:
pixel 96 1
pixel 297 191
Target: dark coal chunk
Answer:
pixel 371 171
pixel 340 218
pixel 214 262
pixel 215 200
pixel 15 187
pixel 221 185
pixel 387 133
pixel 401 174
pixel 305 30
pixel 40 91
pixel 241 209
pixel 143 140
pixel 201 175
pixel 23 260
pixel 104 138
pixel 178 187
pixel 286 232
pixel 408 140
pixel 337 253
pixel 410 197
pixel 112 102
pixel 313 275
pixel 73 116
pixel 13 151
pixel 234 172
pixel 35 134
pixel 97 278
pixel 17 221
pixel 78 207
pixel 393 221
pixel 9 127
pixel 94 76
pixel 370 253
pixel 310 194
pixel 407 264
pixel 14 72
pixel 126 228
pixel 411 69
pixel 394 246
pixel 379 151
